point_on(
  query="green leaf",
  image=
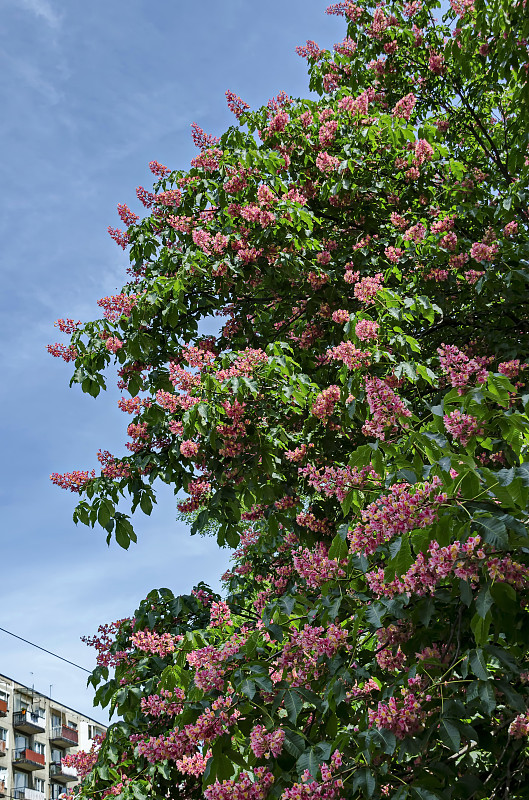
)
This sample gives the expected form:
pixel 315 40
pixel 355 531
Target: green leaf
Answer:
pixel 293 743
pixel 339 548
pixel 248 688
pixel 364 780
pixel 450 735
pixel 484 601
pixel 310 760
pixel 493 531
pixel 293 704
pixel 478 665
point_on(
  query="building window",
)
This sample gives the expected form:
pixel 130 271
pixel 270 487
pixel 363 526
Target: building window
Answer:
pixel 56 791
pixel 38 747
pixel 56 755
pixel 3 735
pixel 4 696
pixel 72 725
pixel 56 721
pixel 21 742
pixel 38 784
pixel 94 731
pixel 21 780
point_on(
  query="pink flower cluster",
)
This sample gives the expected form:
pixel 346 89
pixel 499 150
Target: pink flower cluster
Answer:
pixel 323 406
pixel 366 289
pixel 235 104
pixel 386 408
pixel 310 50
pixel 462 426
pixel 119 236
pixel 160 644
pixel 301 654
pixel 459 368
pixel 208 661
pixel 202 140
pixel 193 765
pixel 127 216
pixel 266 744
pixel 242 787
pixel 67 353
pixel 298 454
pixel 403 719
pixel 220 614
pixel 480 251
pixel 505 570
pixel 245 363
pixel 188 448
pixel 83 761
pixel 74 481
pixel 510 368
pixel 335 481
pixel 67 325
pixel 423 151
pixel 396 513
pixel 326 163
pixel 393 254
pixel 315 566
pixel 329 788
pixel 113 344
pixel 404 107
pixel 519 727
pixel 165 703
pixel 117 305
pixel 341 316
pixel 345 48
pixel 348 354
pixel 461 559
pixel 366 329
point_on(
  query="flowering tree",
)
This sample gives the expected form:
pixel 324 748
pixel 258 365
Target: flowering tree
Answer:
pixel 357 431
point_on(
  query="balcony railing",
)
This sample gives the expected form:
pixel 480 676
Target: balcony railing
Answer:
pixel 29 721
pixel 3 708
pixel 62 734
pixel 3 748
pixel 29 759
pixel 28 794
pixel 59 772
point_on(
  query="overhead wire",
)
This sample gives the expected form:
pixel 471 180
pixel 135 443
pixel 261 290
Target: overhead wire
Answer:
pixel 55 655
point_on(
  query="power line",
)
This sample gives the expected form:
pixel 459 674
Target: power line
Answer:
pixel 46 651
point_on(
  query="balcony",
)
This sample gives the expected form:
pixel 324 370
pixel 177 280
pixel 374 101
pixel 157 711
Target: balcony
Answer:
pixel 3 708
pixel 3 748
pixel 61 773
pixel 28 794
pixel 63 735
pixel 29 760
pixel 3 790
pixel 29 722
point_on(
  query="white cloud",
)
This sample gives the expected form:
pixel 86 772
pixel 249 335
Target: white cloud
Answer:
pixel 42 9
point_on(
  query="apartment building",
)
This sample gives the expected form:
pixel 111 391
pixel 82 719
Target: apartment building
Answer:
pixel 36 732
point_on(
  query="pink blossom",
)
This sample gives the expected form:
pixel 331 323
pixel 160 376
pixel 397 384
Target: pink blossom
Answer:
pixel 347 353
pixel 395 513
pixel 366 289
pixel 393 254
pixel 188 448
pixel 323 406
pixel 404 107
pixel 366 329
pixel 341 316
pixel 462 426
pixel 326 163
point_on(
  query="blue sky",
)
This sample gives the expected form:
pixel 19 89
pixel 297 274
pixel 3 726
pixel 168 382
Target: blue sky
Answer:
pixel 92 92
